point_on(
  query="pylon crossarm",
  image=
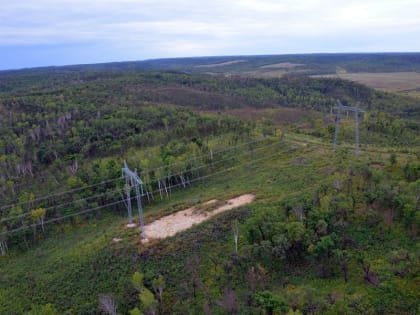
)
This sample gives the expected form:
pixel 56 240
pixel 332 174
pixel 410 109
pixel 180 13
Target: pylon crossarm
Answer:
pixel 131 174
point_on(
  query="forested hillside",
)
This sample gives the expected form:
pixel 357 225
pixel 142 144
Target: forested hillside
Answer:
pixel 59 117
pixel 329 232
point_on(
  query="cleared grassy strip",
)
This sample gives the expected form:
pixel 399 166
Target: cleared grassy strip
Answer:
pixel 36 276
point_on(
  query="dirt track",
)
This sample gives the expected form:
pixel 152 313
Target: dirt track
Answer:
pixel 184 219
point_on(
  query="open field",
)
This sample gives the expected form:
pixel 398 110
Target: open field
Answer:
pixel 221 64
pixel 391 82
pixel 282 65
pixel 276 71
pixel 258 73
pixel 412 93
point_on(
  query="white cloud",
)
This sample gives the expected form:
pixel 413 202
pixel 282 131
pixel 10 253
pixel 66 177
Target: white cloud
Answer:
pixel 186 27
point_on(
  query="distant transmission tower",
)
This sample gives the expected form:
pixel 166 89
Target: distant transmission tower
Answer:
pixel 356 110
pixel 133 180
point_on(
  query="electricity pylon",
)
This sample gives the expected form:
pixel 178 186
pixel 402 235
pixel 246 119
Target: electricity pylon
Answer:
pixel 133 180
pixel 356 111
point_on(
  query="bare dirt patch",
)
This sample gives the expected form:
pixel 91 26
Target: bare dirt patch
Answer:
pixel 184 219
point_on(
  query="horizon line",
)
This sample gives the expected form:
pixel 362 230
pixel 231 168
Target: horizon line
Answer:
pixel 45 67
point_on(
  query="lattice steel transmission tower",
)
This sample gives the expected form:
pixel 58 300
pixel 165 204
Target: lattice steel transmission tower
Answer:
pixel 356 110
pixel 133 180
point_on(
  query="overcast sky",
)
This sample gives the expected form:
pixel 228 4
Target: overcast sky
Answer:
pixel 48 32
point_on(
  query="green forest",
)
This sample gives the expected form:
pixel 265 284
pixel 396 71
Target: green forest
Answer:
pixel 329 232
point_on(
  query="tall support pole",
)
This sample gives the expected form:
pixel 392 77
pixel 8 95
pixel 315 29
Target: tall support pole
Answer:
pixel 337 124
pixel 133 179
pixel 127 190
pixel 356 122
pixel 139 205
pixel 356 109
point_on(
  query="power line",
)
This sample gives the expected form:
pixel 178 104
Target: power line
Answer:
pixel 143 195
pixel 118 178
pixel 161 167
pixel 59 194
pixel 153 192
pixel 145 184
pixel 148 183
pixel 60 218
pixel 170 187
pixel 212 163
pixel 395 150
pixel 203 156
pixel 60 205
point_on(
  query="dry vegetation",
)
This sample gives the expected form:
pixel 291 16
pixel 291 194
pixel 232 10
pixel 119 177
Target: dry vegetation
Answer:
pixel 220 64
pixel 393 82
pixel 282 65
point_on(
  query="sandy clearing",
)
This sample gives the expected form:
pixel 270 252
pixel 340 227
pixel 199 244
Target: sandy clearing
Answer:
pixel 184 219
